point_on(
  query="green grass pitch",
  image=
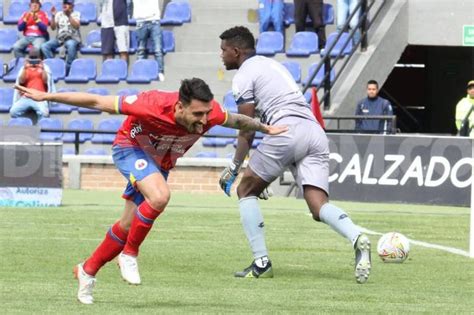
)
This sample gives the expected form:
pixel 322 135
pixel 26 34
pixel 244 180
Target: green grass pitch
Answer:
pixel 188 260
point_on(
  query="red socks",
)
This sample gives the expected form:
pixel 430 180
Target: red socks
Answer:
pixel 145 215
pixel 110 247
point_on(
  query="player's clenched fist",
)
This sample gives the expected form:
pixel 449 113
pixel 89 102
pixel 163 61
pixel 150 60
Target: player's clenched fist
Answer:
pixel 228 176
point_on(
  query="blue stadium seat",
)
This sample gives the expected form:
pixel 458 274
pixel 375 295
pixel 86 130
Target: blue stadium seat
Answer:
pixel 303 44
pixel 270 43
pixel 328 14
pixel 6 99
pixel 58 68
pixel 88 12
pixel 206 154
pixel 109 124
pixel 82 70
pixel 339 45
pixel 68 151
pixel 20 121
pixel 51 123
pixel 46 7
pixel 318 80
pixel 176 13
pixel 1 10
pixel 294 68
pixel 14 68
pixel 113 70
pixel 8 37
pixel 308 96
pixel 15 11
pixel 78 124
pixel 95 152
pixel 60 108
pixel 167 43
pixel 229 102
pixel 126 92
pixel 92 43
pixel 1 70
pixel 143 71
pixel 215 141
pixel 99 91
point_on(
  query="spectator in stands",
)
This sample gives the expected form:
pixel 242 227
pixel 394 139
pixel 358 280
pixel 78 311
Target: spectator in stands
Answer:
pixel 464 110
pixel 373 105
pixel 344 10
pixel 313 8
pixel 270 12
pixel 114 30
pixel 34 25
pixel 67 22
pixel 148 14
pixel 36 75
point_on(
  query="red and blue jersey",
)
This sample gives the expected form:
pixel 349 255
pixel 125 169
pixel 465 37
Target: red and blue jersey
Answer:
pixel 151 125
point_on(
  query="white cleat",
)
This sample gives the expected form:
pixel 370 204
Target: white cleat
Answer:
pixel 86 285
pixel 129 269
pixel 362 259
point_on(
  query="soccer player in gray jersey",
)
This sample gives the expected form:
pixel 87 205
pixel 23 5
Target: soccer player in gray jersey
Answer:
pixel 264 88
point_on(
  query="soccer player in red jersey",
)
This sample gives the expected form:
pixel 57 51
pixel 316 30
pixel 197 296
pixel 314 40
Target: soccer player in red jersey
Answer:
pixel 160 128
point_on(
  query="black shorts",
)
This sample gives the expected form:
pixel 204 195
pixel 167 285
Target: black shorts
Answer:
pixel 107 37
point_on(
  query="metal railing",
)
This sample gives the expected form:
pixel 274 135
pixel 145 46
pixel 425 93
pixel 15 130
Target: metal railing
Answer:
pixel 364 25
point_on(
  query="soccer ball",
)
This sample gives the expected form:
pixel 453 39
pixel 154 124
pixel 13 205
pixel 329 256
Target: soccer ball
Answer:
pixel 393 247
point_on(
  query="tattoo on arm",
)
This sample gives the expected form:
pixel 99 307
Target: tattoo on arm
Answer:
pixel 244 123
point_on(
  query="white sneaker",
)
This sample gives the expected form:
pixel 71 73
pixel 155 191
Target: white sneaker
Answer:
pixel 161 77
pixel 86 285
pixel 129 268
pixel 362 259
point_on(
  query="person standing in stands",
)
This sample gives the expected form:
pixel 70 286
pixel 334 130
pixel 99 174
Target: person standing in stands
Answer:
pixel 464 111
pixel 344 10
pixel 114 28
pixel 313 8
pixel 34 75
pixel 373 105
pixel 67 22
pixel 148 14
pixel 270 12
pixel 34 25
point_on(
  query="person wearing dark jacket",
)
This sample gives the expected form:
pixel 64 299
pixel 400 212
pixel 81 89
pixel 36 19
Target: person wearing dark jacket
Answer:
pixel 373 105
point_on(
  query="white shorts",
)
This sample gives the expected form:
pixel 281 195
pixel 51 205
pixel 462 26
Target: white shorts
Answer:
pixel 122 37
pixel 303 149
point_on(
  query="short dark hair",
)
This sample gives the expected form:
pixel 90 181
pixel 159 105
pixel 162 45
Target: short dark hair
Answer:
pixel 239 36
pixel 196 89
pixel 373 82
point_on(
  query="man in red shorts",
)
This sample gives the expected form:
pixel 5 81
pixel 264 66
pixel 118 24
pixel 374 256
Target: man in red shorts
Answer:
pixel 160 128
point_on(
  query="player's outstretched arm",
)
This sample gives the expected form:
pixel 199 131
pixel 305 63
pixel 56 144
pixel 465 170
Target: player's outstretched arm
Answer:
pixel 245 123
pixel 87 100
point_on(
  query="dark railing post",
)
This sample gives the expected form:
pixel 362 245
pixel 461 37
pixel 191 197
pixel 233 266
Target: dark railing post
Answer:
pixel 327 83
pixel 76 143
pixel 363 26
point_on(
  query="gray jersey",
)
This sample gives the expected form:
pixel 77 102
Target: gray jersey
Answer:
pixel 268 84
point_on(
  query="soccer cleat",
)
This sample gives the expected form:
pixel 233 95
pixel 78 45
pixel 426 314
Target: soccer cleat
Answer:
pixel 129 269
pixel 362 258
pixel 86 285
pixel 254 271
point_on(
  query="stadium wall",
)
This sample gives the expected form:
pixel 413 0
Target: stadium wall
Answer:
pixel 99 173
pixel 438 22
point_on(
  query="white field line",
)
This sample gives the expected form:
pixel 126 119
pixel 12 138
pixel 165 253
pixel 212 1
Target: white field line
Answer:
pixel 425 244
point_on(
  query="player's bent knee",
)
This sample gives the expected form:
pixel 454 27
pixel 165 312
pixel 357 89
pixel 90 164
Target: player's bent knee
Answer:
pixel 159 201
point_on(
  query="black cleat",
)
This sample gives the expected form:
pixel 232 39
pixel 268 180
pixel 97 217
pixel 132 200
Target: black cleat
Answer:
pixel 253 271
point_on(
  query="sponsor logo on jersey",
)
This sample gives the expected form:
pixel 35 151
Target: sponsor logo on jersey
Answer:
pixel 141 164
pixel 136 130
pixel 131 99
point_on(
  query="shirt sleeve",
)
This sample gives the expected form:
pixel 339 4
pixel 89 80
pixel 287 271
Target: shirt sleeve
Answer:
pixel 218 115
pixel 242 89
pixel 140 105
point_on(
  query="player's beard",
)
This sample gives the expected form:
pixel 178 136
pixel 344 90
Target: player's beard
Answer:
pixel 197 128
